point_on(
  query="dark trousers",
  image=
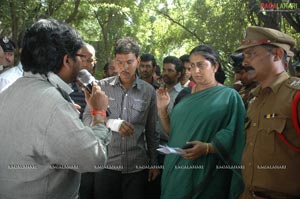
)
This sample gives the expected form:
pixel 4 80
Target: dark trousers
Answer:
pixel 153 189
pixel 110 184
pixel 86 189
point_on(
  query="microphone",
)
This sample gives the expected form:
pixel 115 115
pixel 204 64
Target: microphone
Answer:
pixel 87 81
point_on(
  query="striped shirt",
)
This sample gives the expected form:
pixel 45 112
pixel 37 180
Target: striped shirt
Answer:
pixel 138 107
pixel 78 97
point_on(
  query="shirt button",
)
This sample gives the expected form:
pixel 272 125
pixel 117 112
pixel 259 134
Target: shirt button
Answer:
pixel 123 153
pixel 124 108
pixel 126 95
pixel 250 164
pixel 251 143
pixel 254 124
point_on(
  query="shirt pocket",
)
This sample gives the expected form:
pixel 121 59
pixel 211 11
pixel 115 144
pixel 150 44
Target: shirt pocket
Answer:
pixel 139 106
pixel 138 112
pixel 268 132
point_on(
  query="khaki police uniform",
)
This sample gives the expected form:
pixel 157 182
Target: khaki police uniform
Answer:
pixel 245 93
pixel 271 168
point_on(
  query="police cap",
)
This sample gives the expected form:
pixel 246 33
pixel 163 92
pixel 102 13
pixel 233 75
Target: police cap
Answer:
pixel 256 35
pixel 7 44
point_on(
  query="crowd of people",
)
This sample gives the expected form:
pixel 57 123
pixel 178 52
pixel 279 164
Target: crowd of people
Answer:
pixel 63 140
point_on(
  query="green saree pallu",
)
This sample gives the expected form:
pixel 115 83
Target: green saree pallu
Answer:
pixel 215 115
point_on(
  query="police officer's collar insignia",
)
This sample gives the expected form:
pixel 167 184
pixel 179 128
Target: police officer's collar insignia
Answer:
pixel 295 83
pixel 252 100
pixel 5 40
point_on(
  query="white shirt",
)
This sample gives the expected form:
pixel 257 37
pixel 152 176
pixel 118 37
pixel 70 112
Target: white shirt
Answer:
pixel 8 77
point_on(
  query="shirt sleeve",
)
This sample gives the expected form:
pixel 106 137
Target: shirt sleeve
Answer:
pixel 70 143
pixel 86 116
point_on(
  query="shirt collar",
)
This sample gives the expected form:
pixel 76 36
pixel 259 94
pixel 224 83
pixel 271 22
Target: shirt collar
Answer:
pixel 178 87
pixel 275 85
pixel 137 82
pixel 20 67
pixel 53 79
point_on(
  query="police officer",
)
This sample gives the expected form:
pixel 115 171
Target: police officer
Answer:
pixel 246 76
pixel 271 158
pixel 237 60
pixel 8 47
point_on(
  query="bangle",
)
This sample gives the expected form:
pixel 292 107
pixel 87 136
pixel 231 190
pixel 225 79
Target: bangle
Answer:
pixel 100 112
pixel 207 149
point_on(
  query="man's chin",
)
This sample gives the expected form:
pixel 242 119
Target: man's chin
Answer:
pixel 125 76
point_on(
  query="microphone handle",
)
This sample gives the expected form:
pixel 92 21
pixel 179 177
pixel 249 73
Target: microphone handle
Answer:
pixel 89 87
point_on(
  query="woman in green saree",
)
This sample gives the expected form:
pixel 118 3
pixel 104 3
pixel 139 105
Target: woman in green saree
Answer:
pixel 211 119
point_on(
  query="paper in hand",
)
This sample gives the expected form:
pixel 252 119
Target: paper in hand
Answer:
pixel 170 150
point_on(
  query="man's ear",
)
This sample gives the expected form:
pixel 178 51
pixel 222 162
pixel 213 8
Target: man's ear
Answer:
pixel 138 61
pixel 65 68
pixel 216 68
pixel 179 75
pixel 278 54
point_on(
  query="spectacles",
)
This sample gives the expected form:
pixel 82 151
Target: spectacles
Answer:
pixel 89 60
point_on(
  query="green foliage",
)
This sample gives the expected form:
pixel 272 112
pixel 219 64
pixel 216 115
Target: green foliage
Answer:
pixel 171 27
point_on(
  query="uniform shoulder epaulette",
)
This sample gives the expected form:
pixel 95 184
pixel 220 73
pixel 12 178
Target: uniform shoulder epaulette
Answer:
pixel 293 82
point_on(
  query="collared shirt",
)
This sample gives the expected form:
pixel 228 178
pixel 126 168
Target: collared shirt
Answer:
pixel 186 84
pixel 245 93
pixel 44 146
pixel 8 77
pixel 138 107
pixel 173 92
pixel 270 165
pixel 78 97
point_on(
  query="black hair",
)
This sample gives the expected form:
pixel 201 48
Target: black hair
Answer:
pixel 127 45
pixel 157 70
pixel 211 55
pixel 176 61
pixel 148 57
pixel 185 58
pixel 46 43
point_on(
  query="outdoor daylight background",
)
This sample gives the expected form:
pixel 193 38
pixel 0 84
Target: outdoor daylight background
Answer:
pixel 171 27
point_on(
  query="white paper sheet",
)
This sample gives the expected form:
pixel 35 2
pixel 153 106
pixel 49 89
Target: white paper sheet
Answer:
pixel 170 150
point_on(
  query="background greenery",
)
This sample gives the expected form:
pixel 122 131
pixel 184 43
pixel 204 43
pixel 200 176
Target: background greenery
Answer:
pixel 170 27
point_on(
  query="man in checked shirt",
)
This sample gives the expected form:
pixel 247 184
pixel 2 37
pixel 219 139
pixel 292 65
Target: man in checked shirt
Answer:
pixel 132 157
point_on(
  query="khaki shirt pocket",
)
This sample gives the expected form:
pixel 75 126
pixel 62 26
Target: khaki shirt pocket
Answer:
pixel 267 133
